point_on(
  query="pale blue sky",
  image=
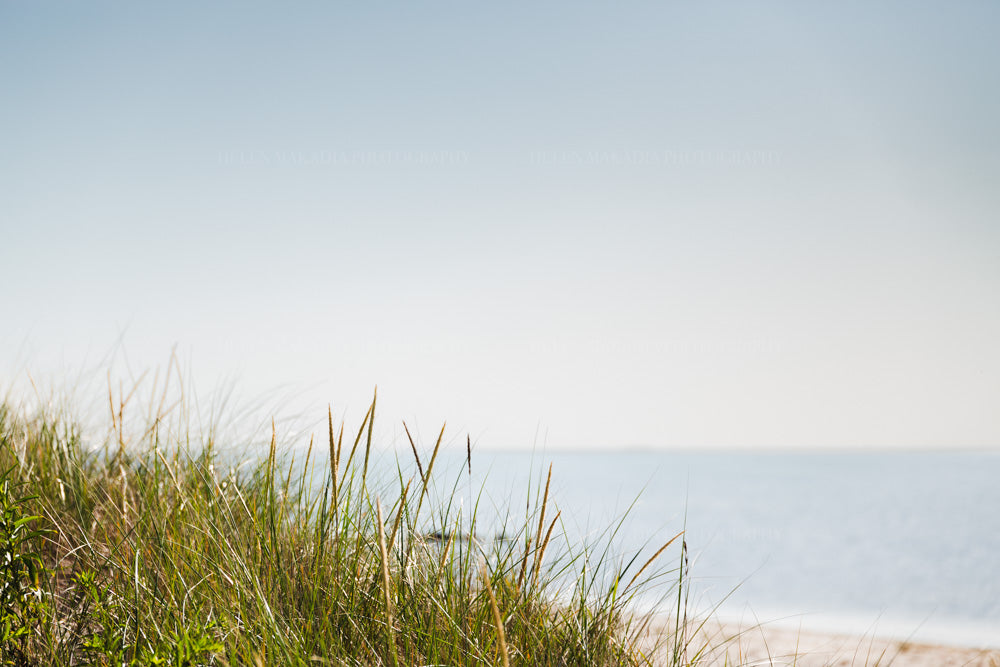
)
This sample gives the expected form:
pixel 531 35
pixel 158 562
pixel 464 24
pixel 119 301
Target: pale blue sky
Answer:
pixel 661 224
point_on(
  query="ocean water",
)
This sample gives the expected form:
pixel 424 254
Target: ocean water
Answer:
pixel 896 544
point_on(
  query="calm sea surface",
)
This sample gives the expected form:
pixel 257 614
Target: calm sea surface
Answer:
pixel 895 543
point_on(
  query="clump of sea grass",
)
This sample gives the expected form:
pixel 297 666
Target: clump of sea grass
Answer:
pixel 162 548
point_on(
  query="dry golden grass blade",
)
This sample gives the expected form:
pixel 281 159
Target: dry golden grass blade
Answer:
pixel 333 463
pixel 541 517
pixel 423 490
pixel 430 469
pixel 306 473
pixel 368 443
pixel 497 618
pixel 166 466
pixel 114 422
pixel 524 566
pixel 391 638
pixel 357 439
pixel 135 386
pixel 340 443
pixel 271 454
pixel 287 485
pixel 653 558
pixel 416 456
pixel 446 552
pixel 124 493
pixel 399 514
pixel 545 544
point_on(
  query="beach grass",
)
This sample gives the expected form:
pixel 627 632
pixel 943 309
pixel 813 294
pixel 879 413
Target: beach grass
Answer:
pixel 149 544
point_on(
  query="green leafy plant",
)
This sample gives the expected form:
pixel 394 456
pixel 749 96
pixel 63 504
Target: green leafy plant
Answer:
pixel 107 642
pixel 21 571
pixel 110 641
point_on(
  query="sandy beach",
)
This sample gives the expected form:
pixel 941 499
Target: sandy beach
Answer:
pixel 722 644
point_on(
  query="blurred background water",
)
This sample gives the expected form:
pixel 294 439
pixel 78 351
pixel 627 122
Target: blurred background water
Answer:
pixel 904 544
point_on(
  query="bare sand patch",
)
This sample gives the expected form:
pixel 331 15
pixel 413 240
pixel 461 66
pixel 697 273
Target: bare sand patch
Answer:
pixel 728 644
